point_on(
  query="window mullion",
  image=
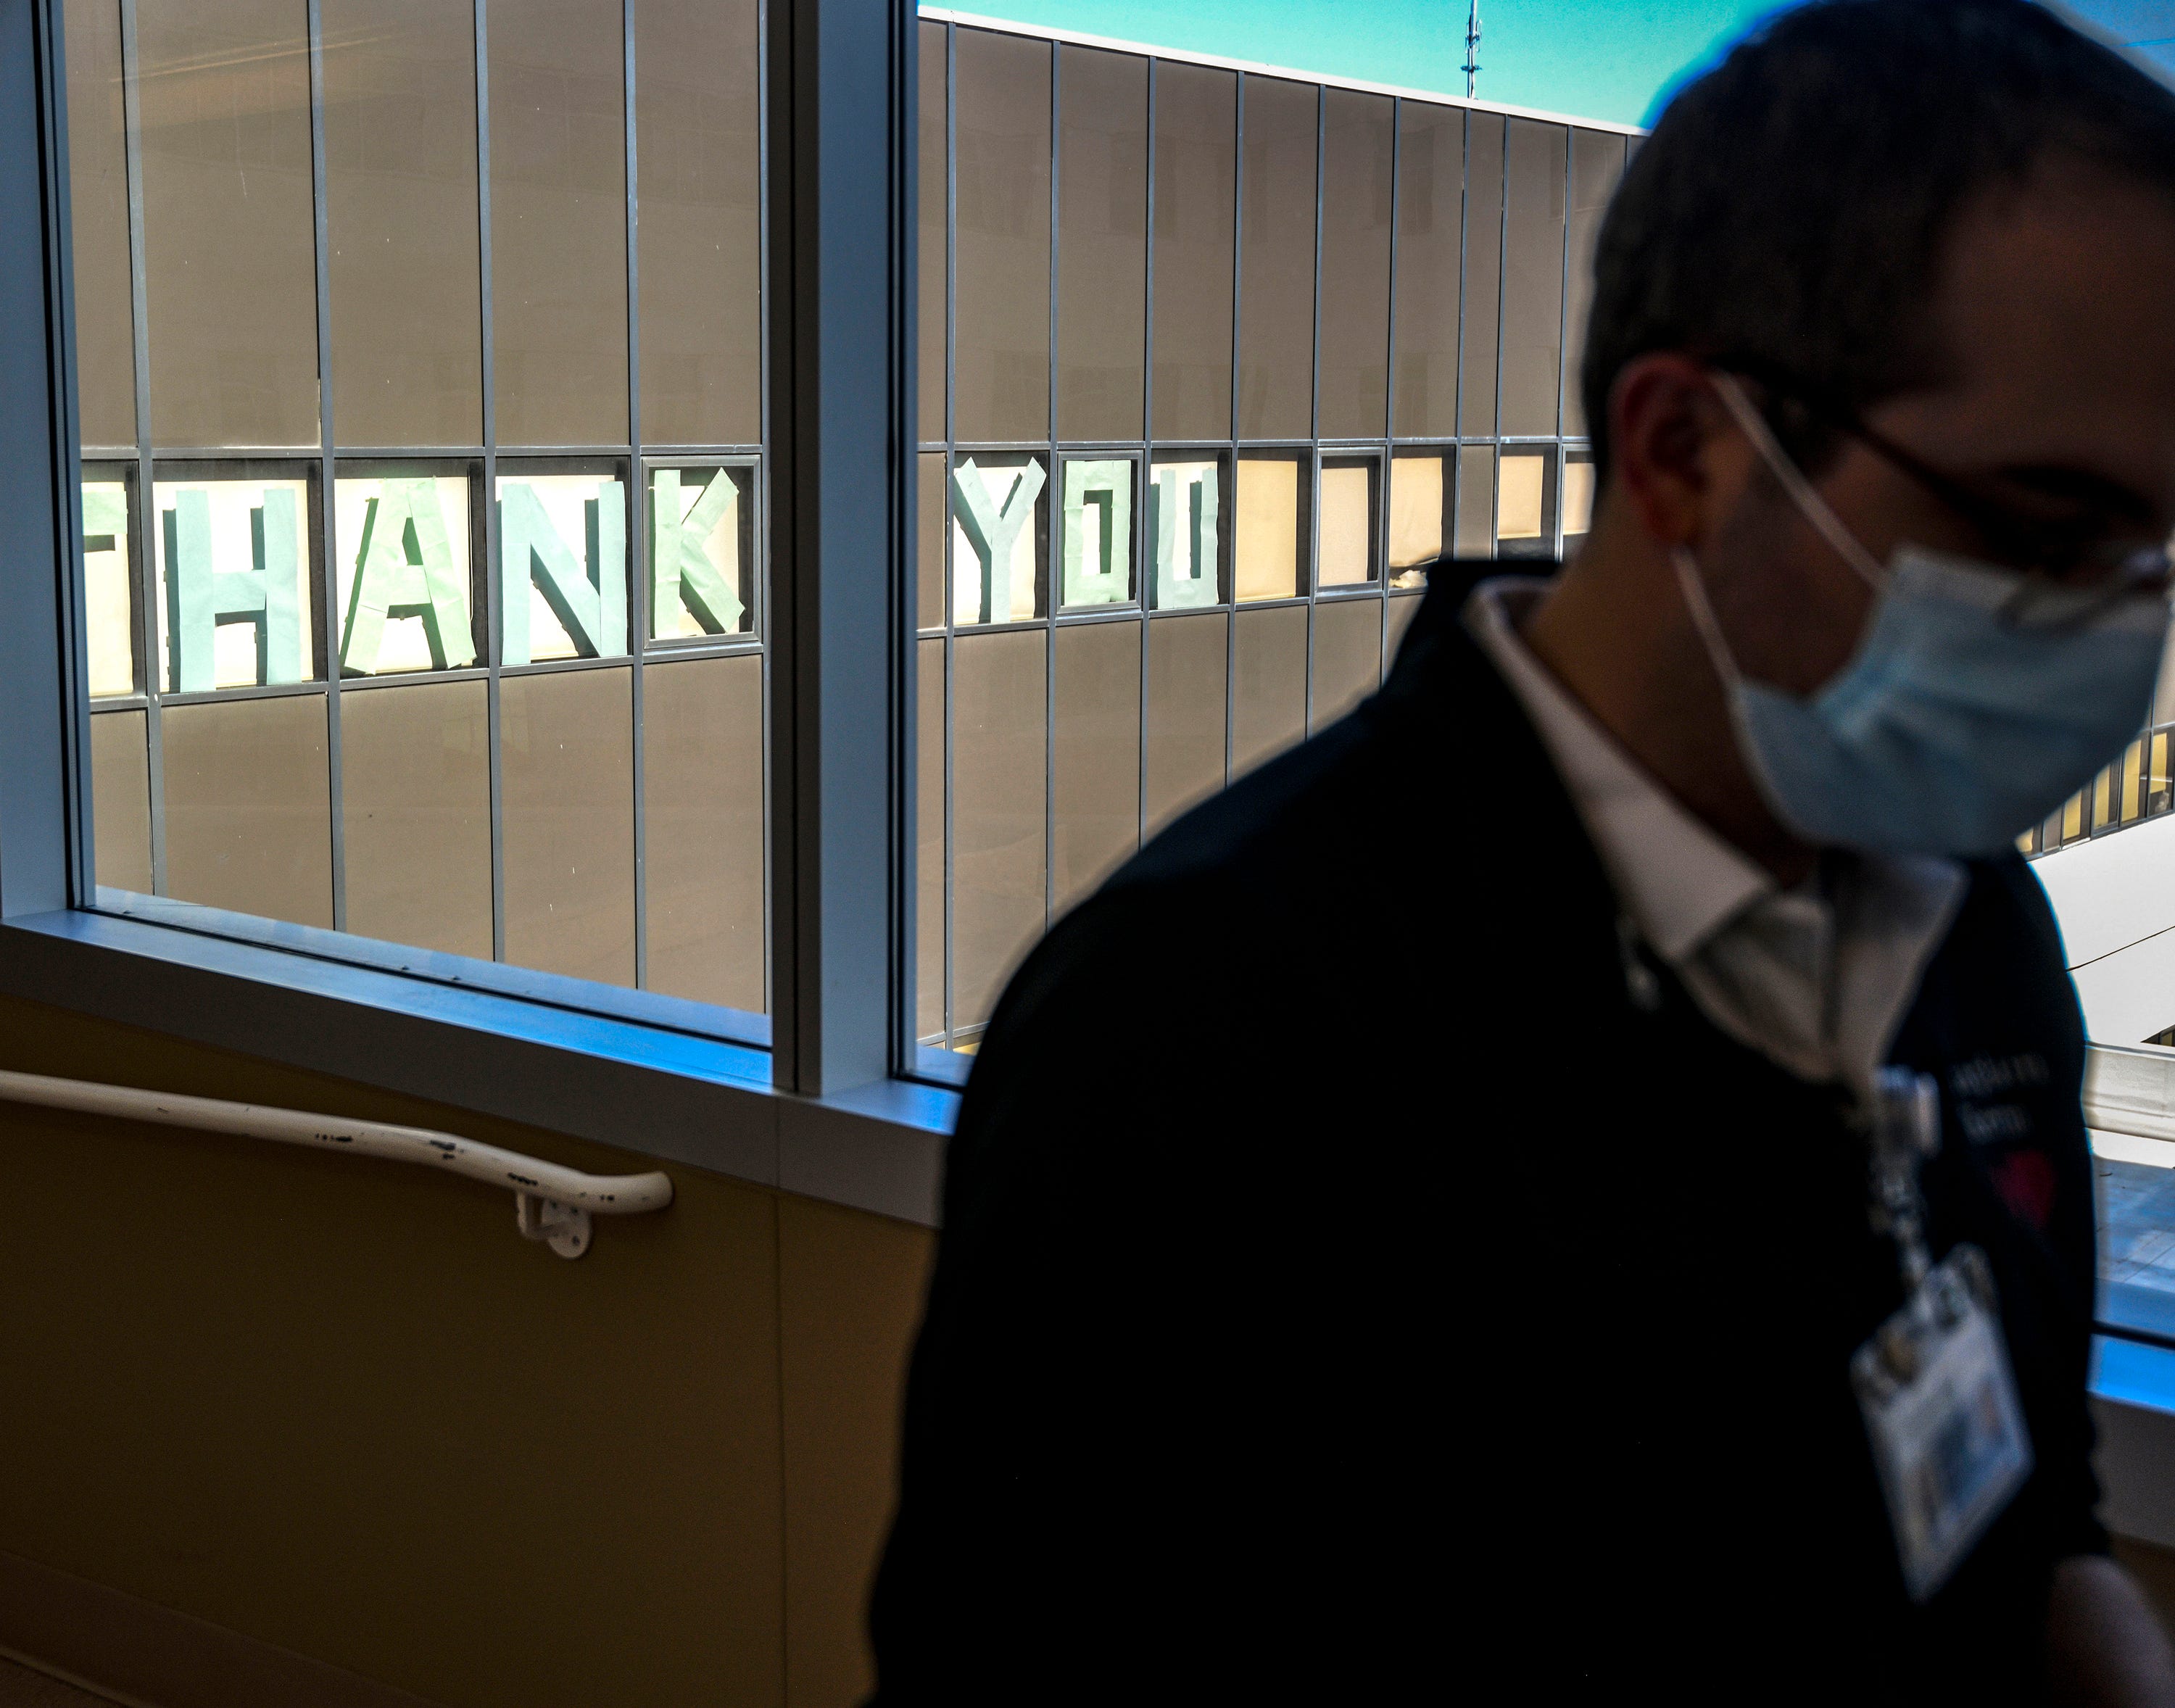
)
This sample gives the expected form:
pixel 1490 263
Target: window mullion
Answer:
pixel 841 303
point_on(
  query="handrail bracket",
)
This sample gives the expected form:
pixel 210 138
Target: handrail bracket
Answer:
pixel 562 1227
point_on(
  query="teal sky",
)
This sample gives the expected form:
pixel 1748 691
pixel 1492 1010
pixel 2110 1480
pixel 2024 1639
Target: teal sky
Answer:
pixel 1605 59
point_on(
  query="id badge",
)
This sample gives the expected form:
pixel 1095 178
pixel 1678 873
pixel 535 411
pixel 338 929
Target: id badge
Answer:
pixel 1942 1414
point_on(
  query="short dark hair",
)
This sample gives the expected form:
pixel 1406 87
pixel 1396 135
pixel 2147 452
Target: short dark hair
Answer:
pixel 1790 209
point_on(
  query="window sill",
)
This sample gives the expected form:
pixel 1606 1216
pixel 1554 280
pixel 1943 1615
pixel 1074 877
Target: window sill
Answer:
pixel 653 1090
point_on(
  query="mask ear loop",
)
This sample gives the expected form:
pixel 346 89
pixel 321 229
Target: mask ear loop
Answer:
pixel 1814 506
pixel 1703 617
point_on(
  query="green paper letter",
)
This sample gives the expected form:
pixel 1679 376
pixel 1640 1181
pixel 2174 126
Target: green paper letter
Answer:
pixel 200 595
pixel 683 575
pixel 1098 532
pixel 992 529
pixel 405 569
pixel 1182 536
pixel 587 595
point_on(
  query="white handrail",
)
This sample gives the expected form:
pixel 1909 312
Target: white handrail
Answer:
pixel 552 1204
pixel 2132 1124
pixel 2130 1091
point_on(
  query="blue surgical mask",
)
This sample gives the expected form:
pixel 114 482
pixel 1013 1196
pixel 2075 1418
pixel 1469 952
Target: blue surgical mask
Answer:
pixel 1978 699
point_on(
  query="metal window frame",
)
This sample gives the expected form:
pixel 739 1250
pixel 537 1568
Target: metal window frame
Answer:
pixel 820 1113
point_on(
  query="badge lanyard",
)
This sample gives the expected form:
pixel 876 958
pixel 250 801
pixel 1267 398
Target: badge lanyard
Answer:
pixel 1933 1381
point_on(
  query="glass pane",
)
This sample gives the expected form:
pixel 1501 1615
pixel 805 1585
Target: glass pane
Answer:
pixel 1102 243
pixel 932 926
pixel 405 573
pixel 1483 255
pixel 1348 521
pixel 98 202
pixel 702 850
pixel 471 790
pixel 933 240
pixel 702 552
pixel 1419 509
pixel 1476 502
pixel 247 807
pixel 1532 276
pixel 415 815
pixel 1097 532
pixel 1185 760
pixel 237 591
pixel 1095 755
pixel 1524 524
pixel 401 216
pixel 120 801
pixel 1268 689
pixel 229 231
pixel 1597 162
pixel 109 578
pixel 1272 495
pixel 1276 291
pixel 1185 531
pixel 929 514
pixel 1518 499
pixel 565 771
pixel 1196 176
pixel 698 161
pixel 562 566
pixel 1001 387
pixel 1577 500
pixel 1430 248
pixel 999 798
pixel 558 222
pixel 1355 264
pixel 999 525
pixel 1348 656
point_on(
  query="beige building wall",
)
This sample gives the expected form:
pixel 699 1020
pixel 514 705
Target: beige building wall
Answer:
pixel 338 1407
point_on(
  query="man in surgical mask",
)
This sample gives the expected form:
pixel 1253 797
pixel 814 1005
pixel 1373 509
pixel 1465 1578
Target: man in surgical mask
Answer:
pixel 1512 1190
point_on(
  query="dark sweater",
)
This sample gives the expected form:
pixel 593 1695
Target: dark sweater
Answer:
pixel 1349 1293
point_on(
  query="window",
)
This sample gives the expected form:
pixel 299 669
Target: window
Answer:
pixel 423 475
pixel 441 559
pixel 1213 366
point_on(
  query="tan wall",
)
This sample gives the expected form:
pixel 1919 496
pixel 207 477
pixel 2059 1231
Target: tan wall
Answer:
pixel 2154 1569
pixel 340 1406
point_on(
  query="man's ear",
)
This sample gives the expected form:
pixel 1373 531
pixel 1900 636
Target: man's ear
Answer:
pixel 1665 428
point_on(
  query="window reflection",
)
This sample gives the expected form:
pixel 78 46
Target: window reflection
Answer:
pixel 1312 324
pixel 393 678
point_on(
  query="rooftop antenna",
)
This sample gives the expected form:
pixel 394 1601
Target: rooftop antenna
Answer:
pixel 1472 48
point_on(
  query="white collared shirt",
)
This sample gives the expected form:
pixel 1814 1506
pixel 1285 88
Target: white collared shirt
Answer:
pixel 1816 977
